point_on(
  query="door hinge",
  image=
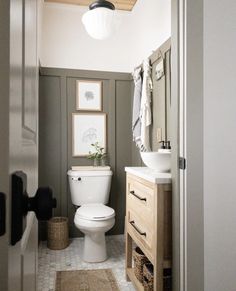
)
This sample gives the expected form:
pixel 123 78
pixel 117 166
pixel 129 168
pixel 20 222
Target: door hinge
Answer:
pixel 182 163
pixel 2 214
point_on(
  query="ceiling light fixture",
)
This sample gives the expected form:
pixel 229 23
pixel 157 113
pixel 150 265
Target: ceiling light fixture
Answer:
pixel 99 20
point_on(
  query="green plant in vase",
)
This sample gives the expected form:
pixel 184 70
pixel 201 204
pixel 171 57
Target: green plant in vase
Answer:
pixel 97 154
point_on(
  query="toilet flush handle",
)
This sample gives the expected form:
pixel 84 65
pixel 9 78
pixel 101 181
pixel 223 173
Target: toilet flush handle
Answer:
pixel 76 179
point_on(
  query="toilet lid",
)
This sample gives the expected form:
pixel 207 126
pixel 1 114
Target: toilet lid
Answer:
pixel 95 212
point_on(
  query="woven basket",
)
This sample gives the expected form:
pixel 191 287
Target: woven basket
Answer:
pixel 139 260
pixel 58 234
pixel 167 279
pixel 148 277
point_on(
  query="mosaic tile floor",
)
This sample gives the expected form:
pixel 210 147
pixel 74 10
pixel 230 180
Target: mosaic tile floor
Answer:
pixel 70 259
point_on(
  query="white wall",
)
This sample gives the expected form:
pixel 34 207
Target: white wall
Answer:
pixel 65 43
pixel 220 145
pixel 40 6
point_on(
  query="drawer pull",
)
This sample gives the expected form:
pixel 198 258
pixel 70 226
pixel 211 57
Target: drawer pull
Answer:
pixel 136 228
pixel 135 195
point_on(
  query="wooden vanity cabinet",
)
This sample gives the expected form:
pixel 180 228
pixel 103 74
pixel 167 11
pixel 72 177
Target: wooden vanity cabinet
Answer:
pixel 148 225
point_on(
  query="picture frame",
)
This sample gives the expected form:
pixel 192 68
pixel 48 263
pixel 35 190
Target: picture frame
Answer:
pixel 88 95
pixel 88 128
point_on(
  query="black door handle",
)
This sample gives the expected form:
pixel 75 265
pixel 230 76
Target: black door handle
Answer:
pixel 42 204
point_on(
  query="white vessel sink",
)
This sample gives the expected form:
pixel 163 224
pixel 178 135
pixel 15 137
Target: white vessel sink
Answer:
pixel 159 162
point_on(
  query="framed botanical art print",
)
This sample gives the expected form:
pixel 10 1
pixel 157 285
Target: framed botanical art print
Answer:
pixel 89 95
pixel 87 128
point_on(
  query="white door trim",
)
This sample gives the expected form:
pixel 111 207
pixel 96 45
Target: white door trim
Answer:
pixel 182 145
pixel 4 132
pixel 187 132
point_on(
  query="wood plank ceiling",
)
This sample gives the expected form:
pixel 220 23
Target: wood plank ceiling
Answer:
pixel 119 4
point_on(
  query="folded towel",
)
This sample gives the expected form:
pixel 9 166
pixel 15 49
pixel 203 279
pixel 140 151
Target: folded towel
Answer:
pixel 90 168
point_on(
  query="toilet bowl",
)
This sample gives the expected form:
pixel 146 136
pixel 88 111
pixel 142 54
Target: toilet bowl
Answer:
pixel 94 220
pixel 90 191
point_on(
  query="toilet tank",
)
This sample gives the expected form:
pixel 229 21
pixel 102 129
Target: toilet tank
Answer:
pixel 89 186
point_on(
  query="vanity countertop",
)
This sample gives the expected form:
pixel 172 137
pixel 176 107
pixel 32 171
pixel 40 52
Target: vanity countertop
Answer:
pixel 150 175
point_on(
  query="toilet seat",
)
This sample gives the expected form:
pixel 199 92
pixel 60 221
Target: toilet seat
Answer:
pixel 95 212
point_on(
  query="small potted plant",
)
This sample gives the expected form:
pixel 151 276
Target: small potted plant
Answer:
pixel 97 154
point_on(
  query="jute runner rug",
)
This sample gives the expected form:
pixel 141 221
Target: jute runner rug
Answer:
pixel 86 280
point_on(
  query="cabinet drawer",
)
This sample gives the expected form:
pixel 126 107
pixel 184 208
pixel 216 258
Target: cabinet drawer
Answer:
pixel 141 233
pixel 140 199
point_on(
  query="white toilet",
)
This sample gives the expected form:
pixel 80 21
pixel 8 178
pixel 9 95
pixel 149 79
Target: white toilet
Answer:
pixel 90 191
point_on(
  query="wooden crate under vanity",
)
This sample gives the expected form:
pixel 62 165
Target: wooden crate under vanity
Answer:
pixel 148 222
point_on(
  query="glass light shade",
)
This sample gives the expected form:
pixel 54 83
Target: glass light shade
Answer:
pixel 99 22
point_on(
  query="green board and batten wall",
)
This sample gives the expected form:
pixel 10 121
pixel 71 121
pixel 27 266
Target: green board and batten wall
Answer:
pixel 57 102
